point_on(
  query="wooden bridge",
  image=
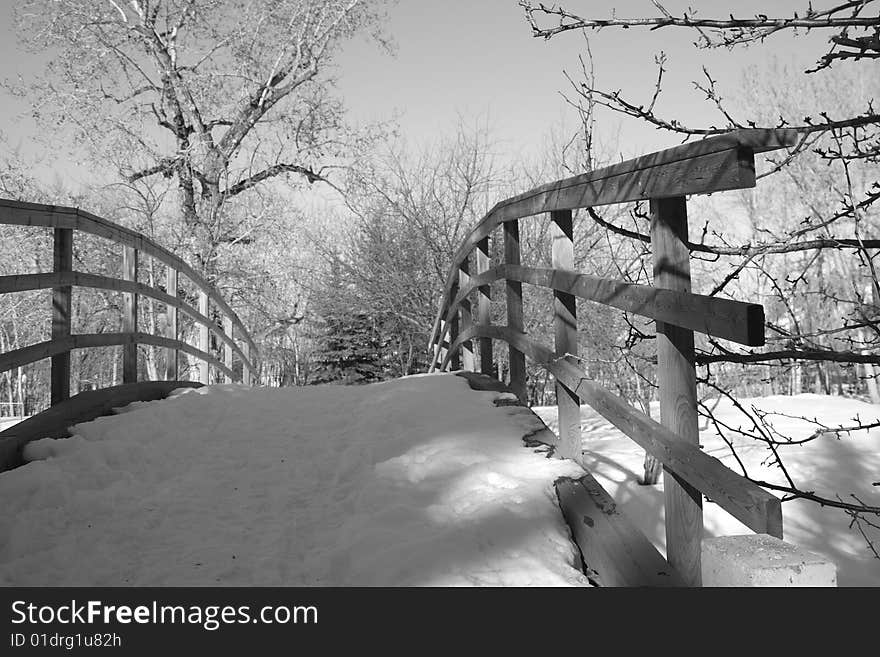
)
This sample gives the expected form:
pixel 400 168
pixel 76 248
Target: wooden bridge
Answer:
pixel 462 338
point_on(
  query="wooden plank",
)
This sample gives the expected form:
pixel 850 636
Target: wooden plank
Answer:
pixel 204 343
pixel 678 386
pixel 227 350
pixel 743 499
pixel 565 334
pixel 516 359
pixel 22 282
pixel 84 407
pixel 453 355
pixel 721 318
pixel 51 216
pixel 62 296
pixel 484 307
pixel 171 328
pixel 466 317
pixel 129 315
pixel 613 549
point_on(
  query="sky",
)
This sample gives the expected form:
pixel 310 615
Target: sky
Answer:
pixel 478 61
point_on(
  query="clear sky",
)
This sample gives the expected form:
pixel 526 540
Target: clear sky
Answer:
pixel 477 58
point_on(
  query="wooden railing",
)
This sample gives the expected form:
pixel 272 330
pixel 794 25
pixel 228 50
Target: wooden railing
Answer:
pixel 236 343
pixel 664 179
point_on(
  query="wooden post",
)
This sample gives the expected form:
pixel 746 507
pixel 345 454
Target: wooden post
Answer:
pixel 441 350
pixel 455 360
pixel 466 315
pixel 61 305
pixel 245 370
pixel 227 349
pixel 517 360
pixel 171 329
pixel 678 388
pixel 566 333
pixel 484 307
pixel 204 339
pixel 129 315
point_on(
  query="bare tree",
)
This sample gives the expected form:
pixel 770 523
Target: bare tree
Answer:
pixel 817 269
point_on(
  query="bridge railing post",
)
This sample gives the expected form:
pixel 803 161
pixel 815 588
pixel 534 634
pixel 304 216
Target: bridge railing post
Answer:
pixel 484 307
pixel 245 370
pixel 129 315
pixel 204 339
pixel 677 381
pixel 566 334
pixel 466 314
pixel 227 348
pixel 455 359
pixel 517 360
pixel 171 329
pixel 62 258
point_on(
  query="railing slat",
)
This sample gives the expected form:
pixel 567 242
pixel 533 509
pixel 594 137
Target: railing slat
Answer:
pixel 566 334
pixel 61 305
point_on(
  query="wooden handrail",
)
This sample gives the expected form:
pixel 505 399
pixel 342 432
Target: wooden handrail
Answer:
pixel 664 178
pixel 236 342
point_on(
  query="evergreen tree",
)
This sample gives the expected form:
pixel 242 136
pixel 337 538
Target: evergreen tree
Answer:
pixel 349 340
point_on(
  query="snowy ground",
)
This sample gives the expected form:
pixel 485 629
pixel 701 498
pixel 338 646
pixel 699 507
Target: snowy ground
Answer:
pixel 827 466
pixel 419 481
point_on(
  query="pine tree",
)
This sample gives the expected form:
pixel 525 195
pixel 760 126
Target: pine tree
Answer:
pixel 349 341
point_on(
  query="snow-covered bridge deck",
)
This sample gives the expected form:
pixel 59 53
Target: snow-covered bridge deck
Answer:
pixel 418 481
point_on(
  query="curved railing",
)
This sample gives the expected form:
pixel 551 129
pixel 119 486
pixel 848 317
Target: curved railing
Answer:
pixel 664 179
pixel 237 344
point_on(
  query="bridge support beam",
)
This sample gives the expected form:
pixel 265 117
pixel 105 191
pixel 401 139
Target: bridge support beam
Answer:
pixel 467 317
pixel 678 386
pixel 204 340
pixel 171 325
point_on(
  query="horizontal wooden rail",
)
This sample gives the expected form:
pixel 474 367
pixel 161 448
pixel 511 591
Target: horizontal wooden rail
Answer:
pixel 51 216
pixel 231 334
pixel 26 282
pixel 743 499
pixel 721 318
pixel 49 348
pixel 714 164
pixel 664 179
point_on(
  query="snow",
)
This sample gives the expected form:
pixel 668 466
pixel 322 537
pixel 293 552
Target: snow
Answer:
pixel 827 466
pixel 418 481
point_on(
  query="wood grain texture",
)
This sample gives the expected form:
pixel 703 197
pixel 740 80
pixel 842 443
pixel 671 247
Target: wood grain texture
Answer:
pixel 743 499
pixel 565 333
pixel 614 551
pixel 516 359
pixel 172 328
pixel 678 386
pixel 129 315
pixel 62 297
pixel 484 306
pixel 204 340
pixel 466 317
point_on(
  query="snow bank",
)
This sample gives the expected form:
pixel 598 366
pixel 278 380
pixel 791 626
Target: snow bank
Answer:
pixel 827 466
pixel 419 481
